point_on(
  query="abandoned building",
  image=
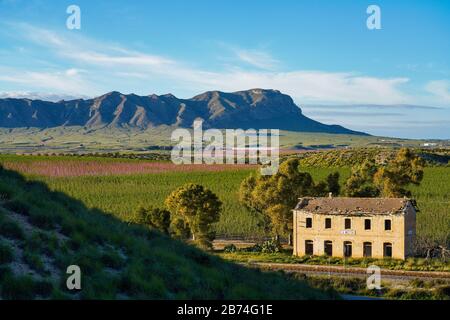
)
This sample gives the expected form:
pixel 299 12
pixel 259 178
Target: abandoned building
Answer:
pixel 354 227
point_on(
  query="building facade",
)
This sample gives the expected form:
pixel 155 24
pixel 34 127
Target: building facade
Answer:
pixel 354 227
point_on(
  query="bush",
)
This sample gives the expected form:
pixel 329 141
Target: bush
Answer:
pixel 230 248
pixel 18 206
pixel 271 246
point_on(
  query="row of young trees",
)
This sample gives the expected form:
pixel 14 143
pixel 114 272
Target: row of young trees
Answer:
pixel 274 197
pixel 190 212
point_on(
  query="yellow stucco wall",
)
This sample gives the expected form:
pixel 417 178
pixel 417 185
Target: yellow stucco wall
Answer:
pixel 401 235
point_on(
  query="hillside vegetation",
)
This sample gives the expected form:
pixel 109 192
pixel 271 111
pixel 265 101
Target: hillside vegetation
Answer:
pixel 356 156
pixel 42 232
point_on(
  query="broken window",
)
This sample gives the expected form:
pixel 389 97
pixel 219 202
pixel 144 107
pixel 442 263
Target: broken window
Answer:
pixel 367 249
pixel 309 247
pixel 387 224
pixel 309 222
pixel 327 223
pixel 367 224
pixel 348 223
pixel 328 246
pixel 347 249
pixel 387 250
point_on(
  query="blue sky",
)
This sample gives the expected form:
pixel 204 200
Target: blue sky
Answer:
pixel 394 81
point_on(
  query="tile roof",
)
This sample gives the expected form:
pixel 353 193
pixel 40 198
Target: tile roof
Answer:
pixel 341 205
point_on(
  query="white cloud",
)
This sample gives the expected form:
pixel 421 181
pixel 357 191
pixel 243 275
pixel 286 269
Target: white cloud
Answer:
pixel 112 66
pixel 67 82
pixel 440 89
pixel 256 58
pixel 39 96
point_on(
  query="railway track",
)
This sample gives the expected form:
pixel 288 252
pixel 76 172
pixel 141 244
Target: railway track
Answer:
pixel 343 271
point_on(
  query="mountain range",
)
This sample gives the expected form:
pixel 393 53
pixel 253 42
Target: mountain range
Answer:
pixel 255 108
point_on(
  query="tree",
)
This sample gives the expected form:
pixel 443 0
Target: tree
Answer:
pixel 155 218
pixel 333 183
pixel 274 197
pixel 391 180
pixel 360 183
pixel 405 169
pixel 195 208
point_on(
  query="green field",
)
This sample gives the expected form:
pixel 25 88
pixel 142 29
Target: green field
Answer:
pixel 44 232
pixel 120 195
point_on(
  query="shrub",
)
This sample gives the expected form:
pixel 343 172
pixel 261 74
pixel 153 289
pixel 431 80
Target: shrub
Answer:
pixel 271 246
pixel 18 206
pixel 230 248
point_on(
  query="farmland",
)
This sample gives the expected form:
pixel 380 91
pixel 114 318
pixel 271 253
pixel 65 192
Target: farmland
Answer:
pixel 43 232
pixel 119 186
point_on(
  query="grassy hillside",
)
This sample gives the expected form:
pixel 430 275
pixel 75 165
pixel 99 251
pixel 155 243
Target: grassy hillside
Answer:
pixel 43 232
pixel 79 140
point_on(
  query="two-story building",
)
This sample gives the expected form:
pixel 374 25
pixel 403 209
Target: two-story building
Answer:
pixel 354 227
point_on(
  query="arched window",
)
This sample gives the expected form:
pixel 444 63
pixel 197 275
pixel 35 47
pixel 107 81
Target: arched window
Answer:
pixel 387 250
pixel 309 247
pixel 328 248
pixel 367 249
pixel 347 249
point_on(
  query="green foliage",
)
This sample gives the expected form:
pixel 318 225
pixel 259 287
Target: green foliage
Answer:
pixel 230 248
pixel 10 229
pixel 198 208
pixel 158 219
pixel 333 185
pixel 275 196
pixel 390 180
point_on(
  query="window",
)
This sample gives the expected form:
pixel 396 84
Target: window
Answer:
pixel 367 224
pixel 328 248
pixel 309 222
pixel 309 247
pixel 348 223
pixel 387 224
pixel 367 249
pixel 327 223
pixel 387 250
pixel 347 249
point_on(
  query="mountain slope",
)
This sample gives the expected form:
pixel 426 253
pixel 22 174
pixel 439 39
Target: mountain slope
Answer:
pixel 43 232
pixel 256 108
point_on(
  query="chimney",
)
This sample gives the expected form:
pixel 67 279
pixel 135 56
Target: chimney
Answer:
pixel 330 195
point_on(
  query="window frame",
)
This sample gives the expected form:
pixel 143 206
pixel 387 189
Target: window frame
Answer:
pixel 308 225
pixel 391 248
pixel 326 225
pixel 309 244
pixel 345 223
pixel 370 224
pixel 365 243
pixel 389 221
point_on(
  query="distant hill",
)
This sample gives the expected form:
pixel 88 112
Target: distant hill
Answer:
pixel 256 108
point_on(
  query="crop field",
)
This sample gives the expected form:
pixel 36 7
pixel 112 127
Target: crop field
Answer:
pixel 119 186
